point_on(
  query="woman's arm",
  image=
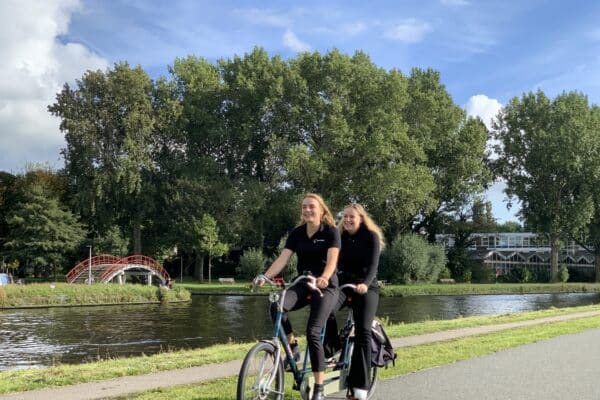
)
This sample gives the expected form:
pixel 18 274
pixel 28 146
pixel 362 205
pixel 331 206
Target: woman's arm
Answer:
pixel 278 265
pixel 332 258
pixel 372 259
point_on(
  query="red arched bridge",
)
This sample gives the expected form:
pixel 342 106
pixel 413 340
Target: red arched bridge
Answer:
pixel 105 268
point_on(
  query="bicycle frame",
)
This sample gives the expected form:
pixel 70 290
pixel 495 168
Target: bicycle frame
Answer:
pixel 279 340
pixel 278 333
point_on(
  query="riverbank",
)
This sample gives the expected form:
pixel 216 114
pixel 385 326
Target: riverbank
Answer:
pixel 64 294
pixel 243 289
pixel 63 375
pixel 217 381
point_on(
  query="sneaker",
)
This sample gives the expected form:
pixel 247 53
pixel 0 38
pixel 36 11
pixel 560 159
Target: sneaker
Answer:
pixel 318 393
pixel 360 394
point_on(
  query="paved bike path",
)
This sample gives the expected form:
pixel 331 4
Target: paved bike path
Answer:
pixel 131 384
pixel 565 367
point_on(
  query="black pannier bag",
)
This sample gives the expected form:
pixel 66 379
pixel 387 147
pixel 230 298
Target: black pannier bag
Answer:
pixel 382 352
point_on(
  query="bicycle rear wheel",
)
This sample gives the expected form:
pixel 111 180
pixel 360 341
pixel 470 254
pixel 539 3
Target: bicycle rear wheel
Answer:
pixel 371 390
pixel 261 375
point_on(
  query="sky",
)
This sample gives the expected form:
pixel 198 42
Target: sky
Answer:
pixel 487 52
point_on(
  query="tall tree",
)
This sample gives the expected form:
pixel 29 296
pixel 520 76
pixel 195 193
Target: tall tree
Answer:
pixel 454 145
pixel 42 232
pixel 351 142
pixel 544 149
pixel 108 121
pixel 209 242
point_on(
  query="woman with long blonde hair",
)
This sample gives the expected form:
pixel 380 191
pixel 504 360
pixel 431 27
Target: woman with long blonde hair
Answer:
pixel 316 242
pixel 362 241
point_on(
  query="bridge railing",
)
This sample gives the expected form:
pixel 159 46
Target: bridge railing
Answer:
pixel 137 259
pixel 101 259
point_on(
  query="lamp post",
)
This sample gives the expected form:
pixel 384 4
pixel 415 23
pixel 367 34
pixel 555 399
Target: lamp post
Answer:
pixel 90 265
pixel 180 254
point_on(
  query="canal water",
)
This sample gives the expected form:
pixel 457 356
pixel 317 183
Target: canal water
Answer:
pixel 41 337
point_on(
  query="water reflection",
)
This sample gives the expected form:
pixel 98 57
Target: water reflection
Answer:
pixel 37 337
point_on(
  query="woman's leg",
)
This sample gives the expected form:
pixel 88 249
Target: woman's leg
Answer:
pixel 363 309
pixel 295 298
pixel 332 341
pixel 320 308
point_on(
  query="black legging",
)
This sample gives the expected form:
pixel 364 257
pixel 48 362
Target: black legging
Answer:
pixel 364 307
pixel 298 297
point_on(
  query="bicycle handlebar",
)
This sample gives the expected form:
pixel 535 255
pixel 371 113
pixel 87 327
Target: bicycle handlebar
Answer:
pixel 312 282
pixel 349 285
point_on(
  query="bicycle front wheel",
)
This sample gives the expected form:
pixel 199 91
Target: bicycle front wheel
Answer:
pixel 261 375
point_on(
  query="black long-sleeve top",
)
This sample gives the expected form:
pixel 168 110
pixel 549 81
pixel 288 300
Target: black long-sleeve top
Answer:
pixel 359 257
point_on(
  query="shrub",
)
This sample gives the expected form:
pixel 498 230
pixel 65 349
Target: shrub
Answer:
pixel 482 273
pixel 519 274
pixel 445 273
pixel 252 263
pixel 563 273
pixel 410 258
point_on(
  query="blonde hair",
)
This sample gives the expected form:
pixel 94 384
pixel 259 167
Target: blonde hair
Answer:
pixel 367 221
pixel 327 216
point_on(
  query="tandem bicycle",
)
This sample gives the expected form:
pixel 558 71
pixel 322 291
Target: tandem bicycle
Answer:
pixel 261 376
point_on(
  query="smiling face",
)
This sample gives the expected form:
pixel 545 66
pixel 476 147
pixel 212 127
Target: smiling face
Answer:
pixel 311 211
pixel 352 220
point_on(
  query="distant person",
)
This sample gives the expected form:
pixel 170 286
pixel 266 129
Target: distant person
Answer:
pixel 362 241
pixel 316 242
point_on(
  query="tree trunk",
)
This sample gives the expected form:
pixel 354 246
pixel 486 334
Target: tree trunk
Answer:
pixel 137 237
pixel 209 273
pixel 597 262
pixel 199 267
pixel 554 247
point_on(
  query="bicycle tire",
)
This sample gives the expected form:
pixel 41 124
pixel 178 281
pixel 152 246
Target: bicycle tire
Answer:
pixel 371 391
pixel 260 360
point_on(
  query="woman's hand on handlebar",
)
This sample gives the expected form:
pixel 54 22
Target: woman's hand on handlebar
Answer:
pixel 322 282
pixel 361 288
pixel 260 280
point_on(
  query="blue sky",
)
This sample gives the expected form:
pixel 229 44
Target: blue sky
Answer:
pixel 486 51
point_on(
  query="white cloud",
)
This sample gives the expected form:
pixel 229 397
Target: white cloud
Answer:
pixel 291 41
pixel 483 107
pixel 35 65
pixel 454 2
pixel 354 28
pixel 264 17
pixel 409 31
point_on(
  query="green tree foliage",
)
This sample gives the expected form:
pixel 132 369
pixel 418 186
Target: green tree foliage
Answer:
pixel 252 263
pixel 509 227
pixel 350 142
pixel 545 150
pixel 454 146
pixel 243 138
pixel 42 232
pixel 410 258
pixel 108 119
pixel 209 242
pixel 112 242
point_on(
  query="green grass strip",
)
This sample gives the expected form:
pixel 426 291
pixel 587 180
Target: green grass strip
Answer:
pixel 410 359
pixel 64 294
pixel 243 288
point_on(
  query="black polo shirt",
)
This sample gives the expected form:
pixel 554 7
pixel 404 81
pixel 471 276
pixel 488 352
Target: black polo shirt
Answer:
pixel 359 257
pixel 312 252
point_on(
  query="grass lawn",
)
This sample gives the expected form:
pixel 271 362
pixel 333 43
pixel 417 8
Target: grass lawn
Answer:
pixel 66 294
pixel 243 288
